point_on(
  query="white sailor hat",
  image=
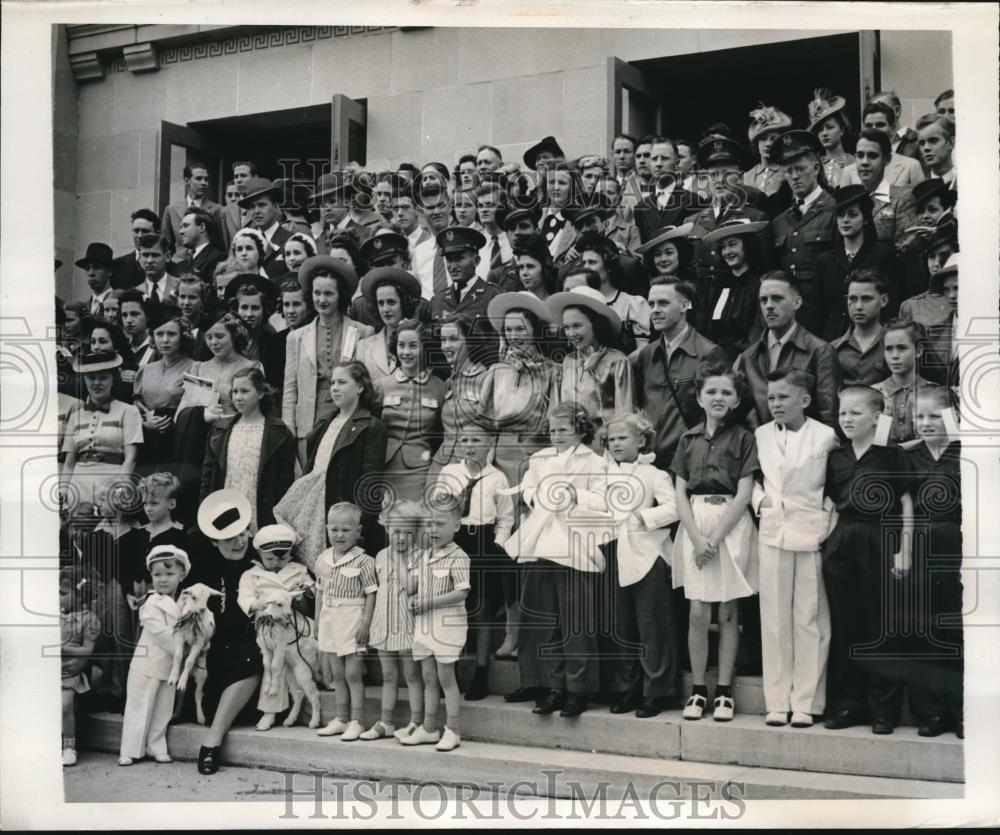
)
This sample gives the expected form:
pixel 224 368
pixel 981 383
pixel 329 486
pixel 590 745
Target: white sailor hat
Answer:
pixel 168 552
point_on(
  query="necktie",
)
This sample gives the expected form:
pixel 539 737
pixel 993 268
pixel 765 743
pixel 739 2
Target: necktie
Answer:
pixel 457 290
pixel 440 273
pixel 154 296
pixel 467 498
pixel 550 227
pixel 495 259
pixel 95 306
pixel 775 351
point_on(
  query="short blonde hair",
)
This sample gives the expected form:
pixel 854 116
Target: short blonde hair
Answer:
pixel 402 510
pixel 639 424
pixel 344 509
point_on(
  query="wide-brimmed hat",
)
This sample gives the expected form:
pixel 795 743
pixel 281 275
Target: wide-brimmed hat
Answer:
pixel 384 245
pixel 764 119
pixel 267 287
pixel 224 514
pixel 822 107
pixel 846 195
pixel 259 187
pixel 666 233
pixel 934 187
pixel 950 268
pixel 347 278
pixel 96 253
pixel 532 213
pixel 735 226
pixel 403 280
pixel 795 143
pixel 547 144
pixel 159 553
pixel 715 149
pixel 275 538
pixel 586 297
pixel 945 232
pixel 95 361
pixel 458 238
pixel 503 304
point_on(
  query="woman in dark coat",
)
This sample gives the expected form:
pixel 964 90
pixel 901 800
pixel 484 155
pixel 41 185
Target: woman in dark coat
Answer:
pixel 345 456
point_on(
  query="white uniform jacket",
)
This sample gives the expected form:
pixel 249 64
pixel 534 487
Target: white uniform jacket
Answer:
pixel 154 651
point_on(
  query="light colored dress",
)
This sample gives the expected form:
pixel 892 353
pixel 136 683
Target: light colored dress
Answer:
pixel 303 507
pixel 99 439
pixel 221 373
pixel 392 622
pixel 243 463
pixel 75 629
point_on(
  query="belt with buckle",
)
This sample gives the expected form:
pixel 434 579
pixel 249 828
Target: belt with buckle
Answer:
pixel 93 457
pixel 715 499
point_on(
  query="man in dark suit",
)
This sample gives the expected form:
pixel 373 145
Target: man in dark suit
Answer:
pixel 196 233
pixel 196 183
pixel 723 158
pixel 128 271
pixel 520 224
pixel 668 203
pixel 807 228
pixel 263 205
pixel 466 294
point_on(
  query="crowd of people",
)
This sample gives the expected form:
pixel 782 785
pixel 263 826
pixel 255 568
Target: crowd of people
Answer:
pixel 571 412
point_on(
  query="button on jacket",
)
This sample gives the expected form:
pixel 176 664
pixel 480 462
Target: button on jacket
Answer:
pixel 804 352
pixel 601 382
pixel 411 412
pixel 665 390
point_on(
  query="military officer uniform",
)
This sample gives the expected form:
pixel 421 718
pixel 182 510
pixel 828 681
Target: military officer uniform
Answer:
pixel 804 231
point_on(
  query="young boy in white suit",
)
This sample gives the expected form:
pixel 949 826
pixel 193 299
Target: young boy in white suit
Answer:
pixel 794 520
pixel 149 701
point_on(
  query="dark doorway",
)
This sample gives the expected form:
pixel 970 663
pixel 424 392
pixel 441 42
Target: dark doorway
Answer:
pixel 702 88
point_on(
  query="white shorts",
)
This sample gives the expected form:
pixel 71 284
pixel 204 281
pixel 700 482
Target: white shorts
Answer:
pixel 338 624
pixel 440 633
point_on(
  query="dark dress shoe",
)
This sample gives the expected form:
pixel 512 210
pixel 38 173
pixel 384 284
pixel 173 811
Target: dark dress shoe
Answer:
pixel 550 703
pixel 882 726
pixel 651 707
pixel 626 702
pixel 575 705
pixel 523 694
pixel 208 760
pixel 845 719
pixel 479 688
pixel 934 726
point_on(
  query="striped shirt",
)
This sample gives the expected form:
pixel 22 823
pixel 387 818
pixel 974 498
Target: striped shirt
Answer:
pixel 349 577
pixel 102 436
pixel 442 570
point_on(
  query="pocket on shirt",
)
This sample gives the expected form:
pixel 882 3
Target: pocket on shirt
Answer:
pixel 351 571
pixel 392 400
pixel 440 573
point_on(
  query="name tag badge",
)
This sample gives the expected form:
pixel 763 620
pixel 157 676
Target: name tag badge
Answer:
pixel 429 402
pixel 350 343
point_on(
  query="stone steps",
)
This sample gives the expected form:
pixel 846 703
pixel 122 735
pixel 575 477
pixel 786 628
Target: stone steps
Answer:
pixel 507 768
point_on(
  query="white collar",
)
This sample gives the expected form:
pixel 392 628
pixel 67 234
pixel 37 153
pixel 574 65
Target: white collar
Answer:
pixel 198 249
pixel 882 190
pixel 269 232
pixel 811 198
pixel 350 556
pixel 772 340
pixel 158 283
pixel 416 234
pixel 439 553
pixel 101 296
pixel 488 469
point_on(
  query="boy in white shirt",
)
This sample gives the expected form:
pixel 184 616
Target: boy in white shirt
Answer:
pixel 794 520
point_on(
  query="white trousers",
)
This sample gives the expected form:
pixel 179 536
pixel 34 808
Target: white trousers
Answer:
pixel 149 704
pixel 794 629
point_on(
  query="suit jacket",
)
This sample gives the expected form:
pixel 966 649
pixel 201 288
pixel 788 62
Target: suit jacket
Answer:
pixel 649 217
pixel 894 216
pixel 354 472
pixel 168 298
pixel 298 400
pixel 832 269
pixel 127 272
pixel 483 340
pixel 277 464
pixel 900 170
pixel 373 353
pixel 908 146
pixel 174 214
pixel 794 481
pixel 154 654
pixel 204 263
pixel 274 261
pixel 805 352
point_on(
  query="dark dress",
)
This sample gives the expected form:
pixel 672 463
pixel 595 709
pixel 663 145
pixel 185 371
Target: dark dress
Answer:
pixel 233 655
pixel 739 323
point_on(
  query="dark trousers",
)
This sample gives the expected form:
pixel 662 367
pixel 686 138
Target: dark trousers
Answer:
pixel 867 661
pixel 637 639
pixel 557 644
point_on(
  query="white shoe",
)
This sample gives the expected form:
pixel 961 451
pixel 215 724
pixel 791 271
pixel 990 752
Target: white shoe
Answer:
pixel 775 718
pixel 801 720
pixel 724 708
pixel 380 730
pixel 121 760
pixel 421 737
pixel 163 759
pixel 353 731
pixel 266 722
pixel 695 707
pixel 332 728
pixel 449 740
pixel 403 733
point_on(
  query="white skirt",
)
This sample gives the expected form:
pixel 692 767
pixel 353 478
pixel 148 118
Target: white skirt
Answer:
pixel 730 575
pixel 440 633
pixel 338 624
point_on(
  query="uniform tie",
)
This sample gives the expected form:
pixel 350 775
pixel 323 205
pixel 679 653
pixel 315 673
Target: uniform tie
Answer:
pixel 495 259
pixel 799 208
pixel 440 273
pixel 154 295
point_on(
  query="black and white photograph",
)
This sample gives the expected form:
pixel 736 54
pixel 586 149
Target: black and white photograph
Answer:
pixel 531 414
